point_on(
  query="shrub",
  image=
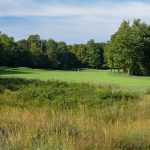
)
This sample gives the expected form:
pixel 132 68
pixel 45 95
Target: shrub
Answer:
pixel 28 93
pixel 116 95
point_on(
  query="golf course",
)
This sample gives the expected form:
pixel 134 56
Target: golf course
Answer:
pixel 74 75
pixel 91 76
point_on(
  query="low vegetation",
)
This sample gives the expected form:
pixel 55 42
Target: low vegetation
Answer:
pixel 30 93
pixel 75 116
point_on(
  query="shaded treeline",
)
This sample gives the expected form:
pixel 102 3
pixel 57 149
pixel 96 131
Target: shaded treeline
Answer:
pixel 128 49
pixel 37 53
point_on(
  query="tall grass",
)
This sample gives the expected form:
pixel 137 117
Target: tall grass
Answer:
pixel 47 128
pixel 121 120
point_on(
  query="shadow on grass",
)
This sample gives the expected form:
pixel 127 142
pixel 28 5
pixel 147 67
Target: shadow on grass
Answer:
pixel 14 84
pixel 12 71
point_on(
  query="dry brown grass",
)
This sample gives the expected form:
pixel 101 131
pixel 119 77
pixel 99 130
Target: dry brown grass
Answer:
pixel 109 128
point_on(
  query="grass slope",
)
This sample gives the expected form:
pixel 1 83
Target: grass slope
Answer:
pixel 87 76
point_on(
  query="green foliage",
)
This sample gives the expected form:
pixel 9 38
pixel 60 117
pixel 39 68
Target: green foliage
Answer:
pixel 33 93
pixel 7 47
pixel 89 55
pixel 128 48
pixel 58 115
pixel 116 96
pixel 51 46
pixel 37 53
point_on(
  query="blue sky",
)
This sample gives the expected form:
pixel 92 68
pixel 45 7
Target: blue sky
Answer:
pixel 73 21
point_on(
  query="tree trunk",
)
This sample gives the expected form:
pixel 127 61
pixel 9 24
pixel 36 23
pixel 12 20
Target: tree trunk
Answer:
pixel 124 70
pixel 128 71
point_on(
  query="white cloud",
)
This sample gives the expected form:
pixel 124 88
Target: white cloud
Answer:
pixel 73 23
pixel 32 8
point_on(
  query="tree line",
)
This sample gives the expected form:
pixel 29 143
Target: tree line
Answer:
pixel 37 53
pixel 128 50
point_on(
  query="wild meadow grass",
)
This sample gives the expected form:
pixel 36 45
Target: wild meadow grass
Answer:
pixel 56 115
pixel 47 128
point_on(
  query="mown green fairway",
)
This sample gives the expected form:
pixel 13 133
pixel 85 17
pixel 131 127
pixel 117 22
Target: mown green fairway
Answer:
pixel 89 76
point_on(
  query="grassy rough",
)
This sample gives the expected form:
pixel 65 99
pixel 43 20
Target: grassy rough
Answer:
pixel 113 127
pixel 70 116
pixel 34 93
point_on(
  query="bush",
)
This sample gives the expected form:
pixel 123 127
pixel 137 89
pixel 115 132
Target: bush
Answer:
pixel 117 95
pixel 28 93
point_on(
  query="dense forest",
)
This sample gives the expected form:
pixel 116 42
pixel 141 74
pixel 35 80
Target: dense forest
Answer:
pixel 128 49
pixel 36 53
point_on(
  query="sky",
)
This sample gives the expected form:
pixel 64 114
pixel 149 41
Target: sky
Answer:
pixel 72 21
